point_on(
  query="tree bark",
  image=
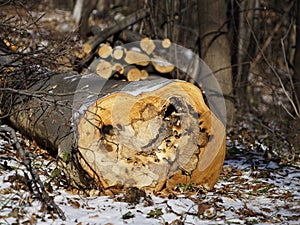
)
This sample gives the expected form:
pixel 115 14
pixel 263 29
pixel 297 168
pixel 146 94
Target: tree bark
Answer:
pixel 82 12
pixel 44 114
pixel 294 131
pixel 247 49
pixel 215 49
pixel 153 133
pixel 296 77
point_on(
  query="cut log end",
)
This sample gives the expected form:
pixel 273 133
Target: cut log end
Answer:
pixel 118 68
pixel 104 69
pixel 118 53
pixel 144 74
pixel 166 43
pixel 137 58
pixel 162 65
pixel 147 45
pixel 105 51
pixel 151 139
pixel 87 48
pixel 134 74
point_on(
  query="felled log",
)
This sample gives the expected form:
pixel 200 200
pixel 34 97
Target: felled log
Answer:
pixel 166 43
pixel 137 58
pixel 162 65
pixel 90 45
pixel 135 74
pixel 144 74
pixel 107 69
pixel 147 45
pixel 102 67
pixel 118 68
pixel 152 134
pixel 105 50
pixel 44 113
pixel 118 52
pixel 129 36
pixel 130 73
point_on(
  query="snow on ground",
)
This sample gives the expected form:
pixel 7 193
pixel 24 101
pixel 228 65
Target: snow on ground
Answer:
pixel 250 191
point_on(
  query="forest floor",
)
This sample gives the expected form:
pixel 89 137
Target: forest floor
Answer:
pixel 250 190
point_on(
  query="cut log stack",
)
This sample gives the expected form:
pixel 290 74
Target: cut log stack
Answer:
pixel 131 64
pixel 105 51
pixel 108 59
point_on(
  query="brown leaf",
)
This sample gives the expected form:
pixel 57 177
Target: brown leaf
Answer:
pixel 248 212
pixel 256 187
pixel 239 173
pixel 266 210
pixel 74 204
pixel 202 207
pixel 94 216
pixel 14 213
pixel 177 222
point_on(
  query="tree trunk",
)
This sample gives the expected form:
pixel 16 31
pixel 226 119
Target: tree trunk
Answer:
pixel 294 133
pixel 296 77
pixel 215 49
pixel 247 49
pixel 153 133
pixel 81 13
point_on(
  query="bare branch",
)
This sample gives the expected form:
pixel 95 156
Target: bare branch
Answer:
pixel 43 195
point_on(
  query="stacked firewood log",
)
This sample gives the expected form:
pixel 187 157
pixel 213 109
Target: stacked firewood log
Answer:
pixel 132 64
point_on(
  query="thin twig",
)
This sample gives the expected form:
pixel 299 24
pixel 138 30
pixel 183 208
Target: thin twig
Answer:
pixel 287 66
pixel 262 55
pixel 43 195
